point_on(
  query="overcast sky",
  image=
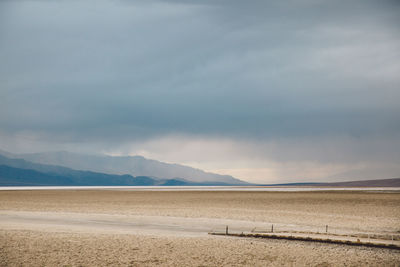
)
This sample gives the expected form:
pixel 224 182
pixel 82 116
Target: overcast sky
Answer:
pixel 267 91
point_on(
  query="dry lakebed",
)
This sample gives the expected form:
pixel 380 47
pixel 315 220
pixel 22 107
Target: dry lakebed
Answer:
pixel 110 227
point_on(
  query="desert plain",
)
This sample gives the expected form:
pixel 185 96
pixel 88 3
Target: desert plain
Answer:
pixel 170 228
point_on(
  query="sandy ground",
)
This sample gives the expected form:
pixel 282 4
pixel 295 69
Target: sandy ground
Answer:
pixel 32 248
pixel 99 228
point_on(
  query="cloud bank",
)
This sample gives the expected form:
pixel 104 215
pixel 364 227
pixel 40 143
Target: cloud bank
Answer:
pixel 270 91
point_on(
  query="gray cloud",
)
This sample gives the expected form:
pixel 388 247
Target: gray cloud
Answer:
pixel 115 72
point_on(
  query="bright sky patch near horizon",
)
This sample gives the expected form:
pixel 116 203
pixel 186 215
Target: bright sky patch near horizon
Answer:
pixel 267 91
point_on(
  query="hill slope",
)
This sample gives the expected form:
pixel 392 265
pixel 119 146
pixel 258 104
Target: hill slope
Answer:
pixel 18 172
pixel 394 182
pixel 22 172
pixel 133 165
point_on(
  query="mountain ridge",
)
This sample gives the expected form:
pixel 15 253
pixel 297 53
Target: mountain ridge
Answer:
pixel 390 182
pixel 133 165
pixel 17 172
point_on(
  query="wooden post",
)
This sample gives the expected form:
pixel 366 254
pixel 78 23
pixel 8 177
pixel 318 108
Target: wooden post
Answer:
pixel 326 229
pixel 226 230
pixel 272 228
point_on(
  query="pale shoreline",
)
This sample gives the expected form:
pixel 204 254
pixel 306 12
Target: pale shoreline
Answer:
pixel 204 188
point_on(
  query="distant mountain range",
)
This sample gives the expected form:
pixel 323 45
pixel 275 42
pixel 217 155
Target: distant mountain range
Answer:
pixel 19 172
pixel 394 182
pixel 65 168
pixel 31 170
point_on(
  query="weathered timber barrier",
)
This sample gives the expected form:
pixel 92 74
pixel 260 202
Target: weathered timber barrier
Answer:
pixel 312 239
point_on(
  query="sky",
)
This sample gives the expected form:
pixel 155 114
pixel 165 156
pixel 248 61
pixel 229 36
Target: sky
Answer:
pixel 266 91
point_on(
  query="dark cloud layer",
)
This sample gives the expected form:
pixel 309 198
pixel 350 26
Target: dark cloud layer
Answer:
pixel 121 71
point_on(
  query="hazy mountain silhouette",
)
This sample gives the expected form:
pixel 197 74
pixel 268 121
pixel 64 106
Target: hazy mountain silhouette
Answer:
pixel 16 172
pixel 133 165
